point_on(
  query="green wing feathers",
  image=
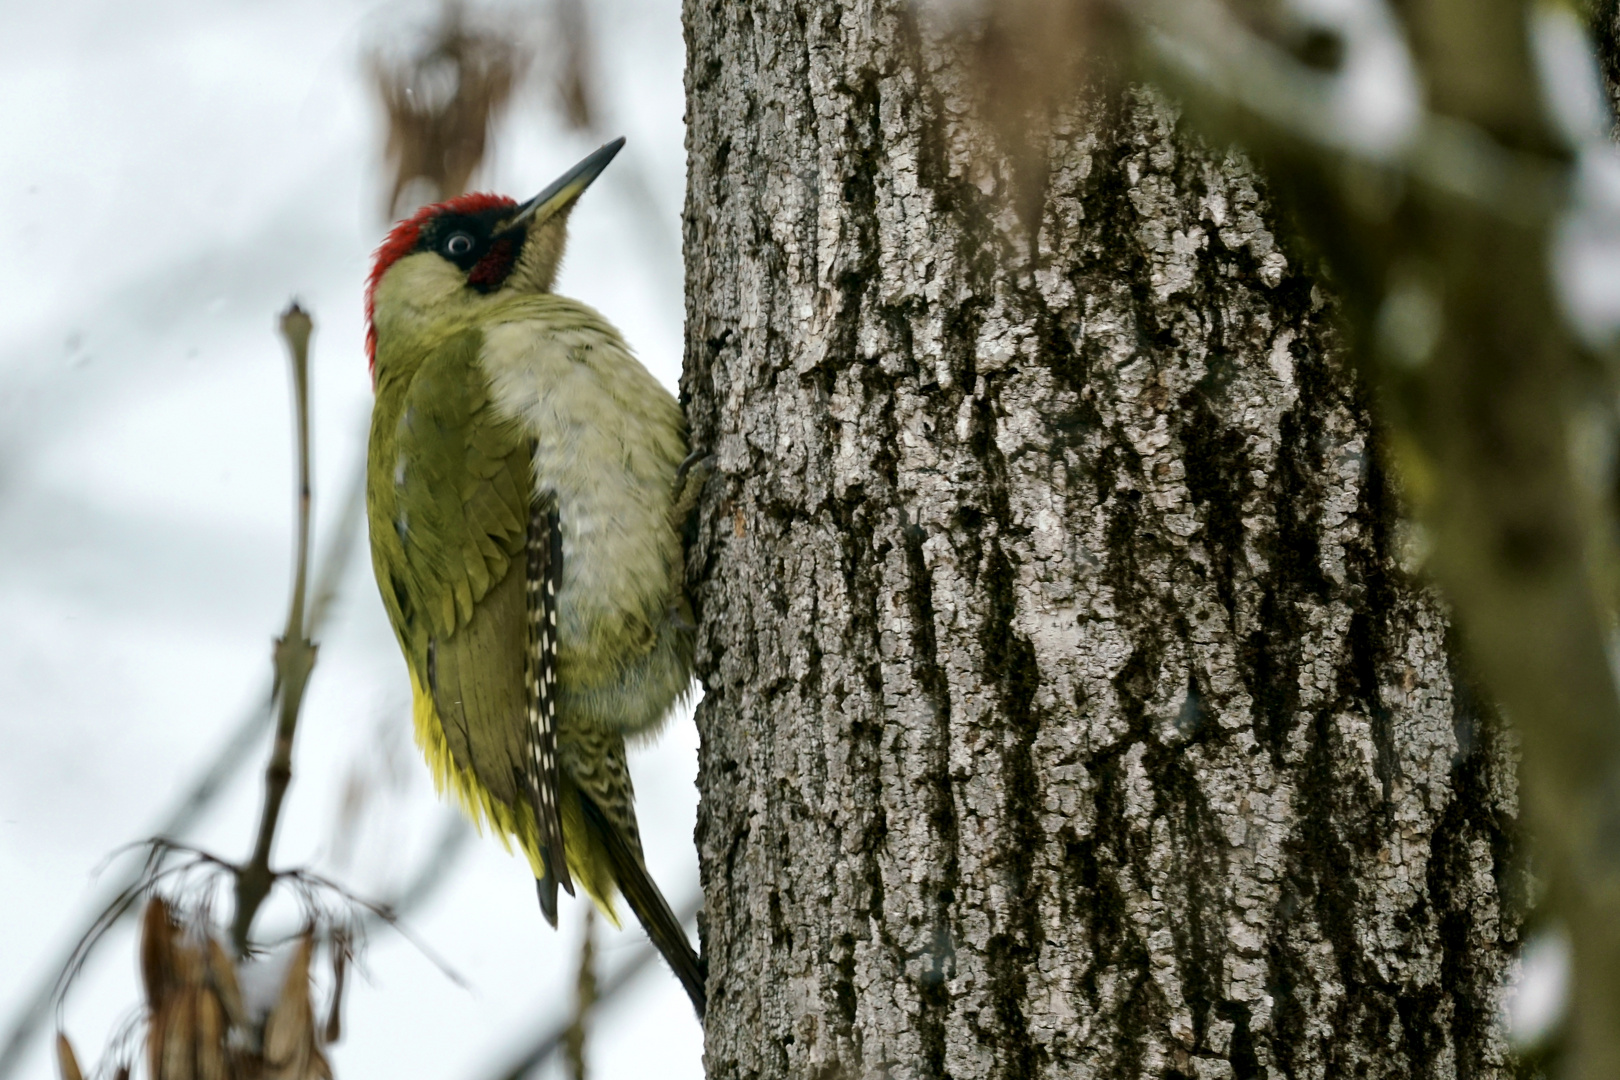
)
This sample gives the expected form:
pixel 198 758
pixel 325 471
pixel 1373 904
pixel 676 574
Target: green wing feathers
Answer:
pixel 448 495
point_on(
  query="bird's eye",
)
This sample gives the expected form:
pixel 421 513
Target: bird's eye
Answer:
pixel 458 244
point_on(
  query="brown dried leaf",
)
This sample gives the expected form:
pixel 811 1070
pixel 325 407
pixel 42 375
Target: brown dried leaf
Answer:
pixel 157 952
pixel 173 1044
pixel 190 960
pixel 222 977
pixel 290 1028
pixel 66 1063
pixel 311 1066
pixel 213 1055
pixel 157 1021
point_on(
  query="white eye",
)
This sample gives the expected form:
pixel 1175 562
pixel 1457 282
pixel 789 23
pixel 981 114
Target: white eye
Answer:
pixel 458 244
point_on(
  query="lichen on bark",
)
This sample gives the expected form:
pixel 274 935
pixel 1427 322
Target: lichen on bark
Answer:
pixel 1067 711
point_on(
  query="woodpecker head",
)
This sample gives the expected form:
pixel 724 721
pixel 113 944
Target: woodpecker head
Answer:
pixel 460 253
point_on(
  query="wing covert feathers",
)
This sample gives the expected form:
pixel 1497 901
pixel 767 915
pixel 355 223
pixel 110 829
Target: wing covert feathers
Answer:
pixel 542 578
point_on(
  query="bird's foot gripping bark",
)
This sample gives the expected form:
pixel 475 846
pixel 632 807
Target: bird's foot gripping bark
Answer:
pixel 690 477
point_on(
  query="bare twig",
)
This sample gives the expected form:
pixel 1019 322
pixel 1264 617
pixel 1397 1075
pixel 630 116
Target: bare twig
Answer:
pixel 453 837
pixel 294 653
pixel 585 995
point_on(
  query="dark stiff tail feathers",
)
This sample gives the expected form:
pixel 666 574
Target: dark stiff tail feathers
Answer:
pixel 645 899
pixel 546 887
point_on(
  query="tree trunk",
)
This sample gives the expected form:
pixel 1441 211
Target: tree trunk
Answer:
pixel 1067 709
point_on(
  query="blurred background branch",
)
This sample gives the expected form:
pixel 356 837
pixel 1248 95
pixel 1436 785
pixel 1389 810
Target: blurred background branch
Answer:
pixel 441 100
pixel 294 653
pixel 196 1020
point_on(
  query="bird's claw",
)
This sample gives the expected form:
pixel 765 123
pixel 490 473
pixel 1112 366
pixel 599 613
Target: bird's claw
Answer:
pixel 690 476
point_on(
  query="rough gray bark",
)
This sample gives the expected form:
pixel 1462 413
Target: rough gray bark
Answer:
pixel 1067 711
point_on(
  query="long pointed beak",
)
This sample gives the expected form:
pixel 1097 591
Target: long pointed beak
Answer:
pixel 565 189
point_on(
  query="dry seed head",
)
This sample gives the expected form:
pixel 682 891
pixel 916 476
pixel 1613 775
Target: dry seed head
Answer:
pixel 157 951
pixel 222 978
pixel 199 1024
pixel 66 1063
pixel 213 1058
pixel 291 1045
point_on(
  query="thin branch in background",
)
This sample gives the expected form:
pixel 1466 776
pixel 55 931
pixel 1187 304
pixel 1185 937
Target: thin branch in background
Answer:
pixel 441 101
pixel 528 1061
pixel 440 106
pixel 195 1020
pixel 377 772
pixel 584 997
pixel 294 654
pixel 114 903
pixel 310 886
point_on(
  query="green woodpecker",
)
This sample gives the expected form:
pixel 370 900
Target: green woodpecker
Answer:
pixel 521 491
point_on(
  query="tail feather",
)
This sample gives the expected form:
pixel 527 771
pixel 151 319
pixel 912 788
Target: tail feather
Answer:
pixel 546 887
pixel 645 899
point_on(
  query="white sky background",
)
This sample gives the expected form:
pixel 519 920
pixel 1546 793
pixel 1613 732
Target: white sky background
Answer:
pixel 174 172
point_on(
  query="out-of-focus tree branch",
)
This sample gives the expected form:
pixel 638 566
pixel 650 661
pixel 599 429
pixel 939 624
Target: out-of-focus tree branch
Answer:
pixel 194 1020
pixel 441 102
pixel 430 873
pixel 585 996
